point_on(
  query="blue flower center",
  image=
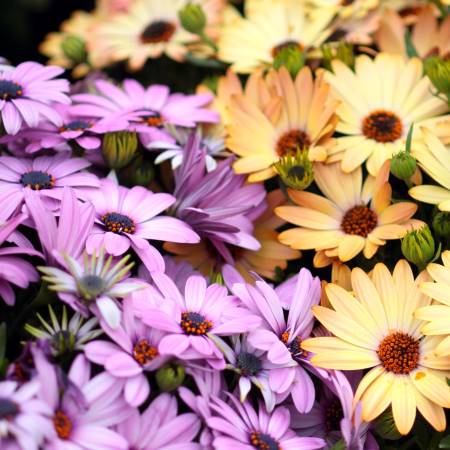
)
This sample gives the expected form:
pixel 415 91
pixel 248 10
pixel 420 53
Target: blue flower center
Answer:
pixel 118 223
pixel 248 364
pixel 37 180
pixel 91 286
pixel 263 441
pixel 10 90
pixel 8 409
pixel 76 125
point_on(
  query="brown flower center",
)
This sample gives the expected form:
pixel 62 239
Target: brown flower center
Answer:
pixel 292 141
pixel 333 416
pixel 37 180
pixel 63 425
pixel 382 126
pixel 158 31
pixel 195 323
pixel 144 353
pixel 295 346
pixel 359 220
pixel 399 353
pixel 118 223
pixel 288 44
pixel 263 441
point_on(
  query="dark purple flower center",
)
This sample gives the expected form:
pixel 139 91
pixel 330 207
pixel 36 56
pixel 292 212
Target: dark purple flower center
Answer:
pixel 158 31
pixel 263 441
pixel 37 180
pixel 248 364
pixel 10 90
pixel 333 416
pixel 153 119
pixel 62 424
pixel 294 346
pixel 118 223
pixel 75 125
pixel 8 409
pixel 195 323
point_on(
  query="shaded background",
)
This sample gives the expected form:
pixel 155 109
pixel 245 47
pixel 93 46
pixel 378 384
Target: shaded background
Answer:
pixel 24 23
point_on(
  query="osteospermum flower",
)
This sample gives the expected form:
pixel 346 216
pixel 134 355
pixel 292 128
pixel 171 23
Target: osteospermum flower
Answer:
pixel 379 102
pixel 191 318
pixel 374 327
pixel 47 175
pixel 241 427
pixel 94 285
pixel 27 92
pixel 306 121
pixel 350 218
pixel 127 217
pixel 268 26
pixel 160 427
pixel 437 315
pixel 434 159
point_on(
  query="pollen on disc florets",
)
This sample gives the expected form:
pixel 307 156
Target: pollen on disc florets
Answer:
pixel 195 323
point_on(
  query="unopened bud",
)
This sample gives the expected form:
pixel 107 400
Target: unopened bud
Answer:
pixel 192 18
pixel 74 48
pixel 438 71
pixel 403 165
pixel 343 52
pixel 418 246
pixel 170 377
pixel 119 148
pixel 295 171
pixel 441 224
pixel 290 57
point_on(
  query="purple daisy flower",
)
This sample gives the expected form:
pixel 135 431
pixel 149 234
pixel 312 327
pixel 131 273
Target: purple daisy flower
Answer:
pixel 46 174
pixel 26 94
pixel 83 410
pixel 146 111
pixel 191 319
pixel 24 418
pixel 160 427
pixel 282 338
pixel 133 352
pixel 14 270
pixel 127 217
pixel 240 427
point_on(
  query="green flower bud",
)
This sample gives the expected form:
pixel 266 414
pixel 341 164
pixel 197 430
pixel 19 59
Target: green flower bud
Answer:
pixel 170 377
pixel 192 18
pixel 438 71
pixel 418 246
pixel 290 57
pixel 139 173
pixel 295 171
pixel 403 165
pixel 119 148
pixel 385 426
pixel 211 83
pixel 441 224
pixel 216 277
pixel 74 48
pixel 343 52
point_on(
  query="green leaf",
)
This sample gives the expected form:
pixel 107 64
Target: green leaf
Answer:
pixel 340 445
pixel 410 49
pixel 409 138
pixel 445 443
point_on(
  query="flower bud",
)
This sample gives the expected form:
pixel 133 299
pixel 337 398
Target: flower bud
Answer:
pixel 295 171
pixel 170 377
pixel 74 48
pixel 438 71
pixel 192 18
pixel 441 224
pixel 403 165
pixel 418 246
pixel 119 148
pixel 385 426
pixel 290 57
pixel 139 173
pixel 343 52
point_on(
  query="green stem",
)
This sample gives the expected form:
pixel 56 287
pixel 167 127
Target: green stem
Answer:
pixel 208 41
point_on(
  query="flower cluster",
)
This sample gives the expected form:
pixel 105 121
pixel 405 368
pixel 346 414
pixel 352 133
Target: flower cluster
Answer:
pixel 259 259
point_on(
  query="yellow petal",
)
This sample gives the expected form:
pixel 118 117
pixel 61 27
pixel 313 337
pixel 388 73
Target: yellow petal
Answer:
pixel 350 246
pixel 433 413
pixel 377 397
pixel 403 404
pixel 431 386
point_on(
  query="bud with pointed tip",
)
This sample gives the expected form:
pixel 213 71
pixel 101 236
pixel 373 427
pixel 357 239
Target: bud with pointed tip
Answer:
pixel 418 246
pixel 193 18
pixel 290 57
pixel 438 71
pixel 119 148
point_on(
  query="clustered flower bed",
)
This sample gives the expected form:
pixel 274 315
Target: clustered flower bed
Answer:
pixel 253 256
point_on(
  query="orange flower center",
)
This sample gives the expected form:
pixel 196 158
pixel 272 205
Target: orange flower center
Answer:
pixel 153 119
pixel 292 141
pixel 359 220
pixel 263 441
pixel 143 352
pixel 195 323
pixel 382 126
pixel 158 31
pixel 288 44
pixel 295 346
pixel 63 425
pixel 399 353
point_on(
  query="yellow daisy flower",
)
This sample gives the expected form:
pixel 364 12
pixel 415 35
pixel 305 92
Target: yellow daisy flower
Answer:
pixel 433 158
pixel 379 102
pixel 300 114
pixel 350 218
pixel 374 327
pixel 253 41
pixel 346 9
pixel 438 314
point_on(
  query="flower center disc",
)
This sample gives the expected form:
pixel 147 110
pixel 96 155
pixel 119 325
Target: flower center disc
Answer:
pixel 195 323
pixel 8 409
pixel 399 353
pixel 62 424
pixel 292 141
pixel 382 126
pixel 158 31
pixel 118 223
pixel 153 119
pixel 75 125
pixel 10 90
pixel 263 441
pixel 91 286
pixel 294 346
pixel 37 180
pixel 143 352
pixel 333 416
pixel 248 364
pixel 360 220
pixel 288 44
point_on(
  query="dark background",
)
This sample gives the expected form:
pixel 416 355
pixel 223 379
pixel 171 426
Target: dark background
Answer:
pixel 24 23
